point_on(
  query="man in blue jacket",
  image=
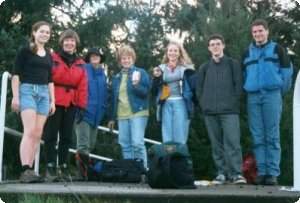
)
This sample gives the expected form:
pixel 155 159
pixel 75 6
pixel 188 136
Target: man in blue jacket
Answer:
pixel 268 73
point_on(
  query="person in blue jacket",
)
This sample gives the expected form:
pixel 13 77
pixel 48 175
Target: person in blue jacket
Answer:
pixel 267 77
pixel 173 92
pixel 87 121
pixel 130 105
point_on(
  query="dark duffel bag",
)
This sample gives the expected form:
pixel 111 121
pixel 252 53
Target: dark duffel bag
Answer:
pixel 124 171
pixel 170 166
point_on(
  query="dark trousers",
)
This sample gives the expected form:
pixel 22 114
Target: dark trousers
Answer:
pixel 224 134
pixel 62 122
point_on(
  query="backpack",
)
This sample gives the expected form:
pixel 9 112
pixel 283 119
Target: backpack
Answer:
pixel 170 166
pixel 249 168
pixel 123 170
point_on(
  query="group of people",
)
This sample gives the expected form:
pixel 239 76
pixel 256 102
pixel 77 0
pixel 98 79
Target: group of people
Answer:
pixel 74 94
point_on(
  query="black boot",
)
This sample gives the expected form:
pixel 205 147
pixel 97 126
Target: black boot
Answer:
pixel 271 180
pixel 51 173
pixel 82 162
pixel 64 172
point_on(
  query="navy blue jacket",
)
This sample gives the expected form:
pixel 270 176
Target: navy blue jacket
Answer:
pixel 138 95
pixel 97 95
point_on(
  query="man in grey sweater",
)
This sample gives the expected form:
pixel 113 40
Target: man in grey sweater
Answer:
pixel 219 87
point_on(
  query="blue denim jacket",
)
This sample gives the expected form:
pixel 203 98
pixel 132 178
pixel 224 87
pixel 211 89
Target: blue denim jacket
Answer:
pixel 138 95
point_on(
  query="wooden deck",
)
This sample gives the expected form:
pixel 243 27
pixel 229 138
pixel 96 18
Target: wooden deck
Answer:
pixel 143 193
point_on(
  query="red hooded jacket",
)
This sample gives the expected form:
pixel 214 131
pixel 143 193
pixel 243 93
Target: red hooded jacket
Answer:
pixel 70 83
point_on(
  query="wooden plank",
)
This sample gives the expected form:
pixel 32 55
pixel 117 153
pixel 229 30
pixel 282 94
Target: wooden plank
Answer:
pixel 121 189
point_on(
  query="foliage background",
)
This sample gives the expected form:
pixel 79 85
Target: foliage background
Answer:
pixel 147 26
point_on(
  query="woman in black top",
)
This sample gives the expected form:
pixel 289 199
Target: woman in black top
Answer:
pixel 33 95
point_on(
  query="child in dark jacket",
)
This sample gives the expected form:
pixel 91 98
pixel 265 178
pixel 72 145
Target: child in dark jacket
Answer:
pixel 86 122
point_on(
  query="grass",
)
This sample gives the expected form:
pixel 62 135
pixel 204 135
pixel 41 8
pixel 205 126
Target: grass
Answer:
pixel 33 198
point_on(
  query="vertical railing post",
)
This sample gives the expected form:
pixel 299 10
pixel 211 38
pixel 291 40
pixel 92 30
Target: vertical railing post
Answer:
pixel 37 160
pixel 296 132
pixel 5 78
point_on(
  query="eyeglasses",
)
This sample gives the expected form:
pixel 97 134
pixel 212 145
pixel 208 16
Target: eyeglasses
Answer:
pixel 215 44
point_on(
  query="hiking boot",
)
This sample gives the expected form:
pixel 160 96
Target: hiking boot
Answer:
pixel 271 180
pixel 259 180
pixel 51 173
pixel 219 180
pixel 239 179
pixel 29 176
pixel 82 163
pixel 64 172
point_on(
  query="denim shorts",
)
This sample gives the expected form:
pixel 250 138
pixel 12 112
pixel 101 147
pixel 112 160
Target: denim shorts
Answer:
pixel 36 97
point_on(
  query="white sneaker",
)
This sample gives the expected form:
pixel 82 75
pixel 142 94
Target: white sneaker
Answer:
pixel 219 180
pixel 239 180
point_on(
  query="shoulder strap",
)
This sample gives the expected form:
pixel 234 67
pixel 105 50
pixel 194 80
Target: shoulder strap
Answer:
pixel 182 69
pixel 205 67
pixel 166 166
pixel 231 66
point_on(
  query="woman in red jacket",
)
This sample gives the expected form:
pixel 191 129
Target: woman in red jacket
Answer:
pixel 70 85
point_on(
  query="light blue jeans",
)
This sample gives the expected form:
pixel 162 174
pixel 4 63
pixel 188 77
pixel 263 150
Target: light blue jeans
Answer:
pixel 175 122
pixel 264 112
pixel 131 138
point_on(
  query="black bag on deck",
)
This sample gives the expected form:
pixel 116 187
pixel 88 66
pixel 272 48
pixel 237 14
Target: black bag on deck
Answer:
pixel 170 166
pixel 124 170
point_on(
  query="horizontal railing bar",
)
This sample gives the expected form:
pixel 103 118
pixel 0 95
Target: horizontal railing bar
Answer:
pixel 117 132
pixel 19 134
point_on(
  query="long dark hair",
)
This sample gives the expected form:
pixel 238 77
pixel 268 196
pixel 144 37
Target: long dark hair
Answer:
pixel 35 27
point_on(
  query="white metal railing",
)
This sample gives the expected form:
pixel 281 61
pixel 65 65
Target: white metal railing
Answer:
pixel 19 134
pixel 5 77
pixel 296 131
pixel 117 132
pixel 296 134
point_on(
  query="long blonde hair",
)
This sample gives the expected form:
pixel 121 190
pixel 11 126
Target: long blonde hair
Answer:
pixel 183 59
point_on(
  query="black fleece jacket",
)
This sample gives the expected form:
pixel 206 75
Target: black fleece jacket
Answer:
pixel 219 86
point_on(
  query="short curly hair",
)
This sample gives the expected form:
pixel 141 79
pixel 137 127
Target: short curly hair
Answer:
pixel 126 50
pixel 216 36
pixel 261 22
pixel 69 33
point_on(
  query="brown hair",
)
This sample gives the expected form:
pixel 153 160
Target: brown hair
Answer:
pixel 35 27
pixel 215 36
pixel 258 22
pixel 126 50
pixel 69 33
pixel 184 58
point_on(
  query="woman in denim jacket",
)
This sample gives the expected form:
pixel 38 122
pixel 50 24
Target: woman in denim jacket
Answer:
pixel 173 93
pixel 130 94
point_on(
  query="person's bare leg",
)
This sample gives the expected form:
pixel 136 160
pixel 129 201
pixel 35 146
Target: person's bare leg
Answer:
pixel 27 143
